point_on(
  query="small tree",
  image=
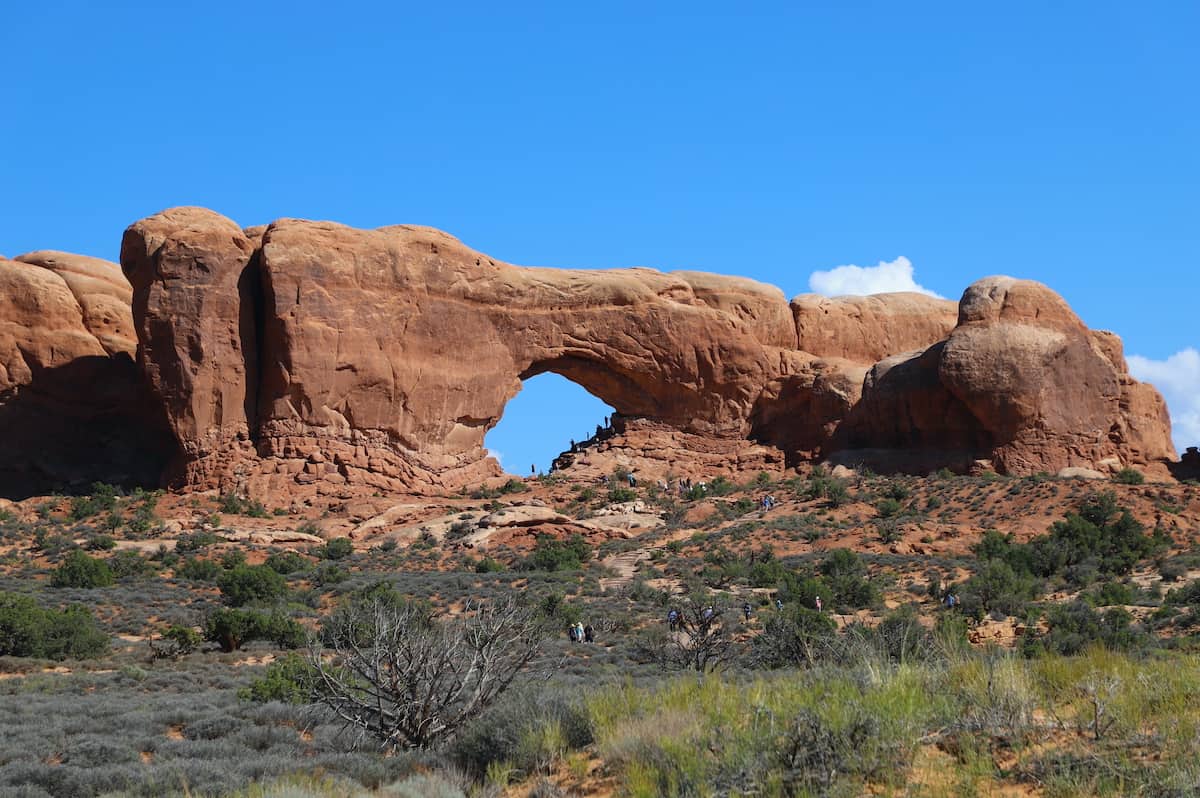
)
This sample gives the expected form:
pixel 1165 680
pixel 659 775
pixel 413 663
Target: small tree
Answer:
pixel 247 583
pixel 409 682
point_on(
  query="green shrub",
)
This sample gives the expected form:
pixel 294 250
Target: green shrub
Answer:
pixel 129 564
pixel 102 500
pixel 80 570
pixel 336 549
pixel 176 641
pixel 28 630
pixel 1076 626
pixel 289 680
pixel 1129 476
pixel 100 543
pixel 513 486
pixel 552 554
pixel 797 636
pixel 286 562
pixel 846 575
pixel 248 583
pixel 232 628
pixel 489 565
pixel 198 570
pixel 196 541
pixel 887 508
pixel 236 505
pixel 620 493
pixel 232 558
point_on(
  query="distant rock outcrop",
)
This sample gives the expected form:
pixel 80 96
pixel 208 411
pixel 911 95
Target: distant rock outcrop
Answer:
pixel 310 356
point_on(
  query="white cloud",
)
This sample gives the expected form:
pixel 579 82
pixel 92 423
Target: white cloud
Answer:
pixel 888 276
pixel 1178 378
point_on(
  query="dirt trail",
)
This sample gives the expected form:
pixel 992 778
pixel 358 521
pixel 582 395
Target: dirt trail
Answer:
pixel 625 564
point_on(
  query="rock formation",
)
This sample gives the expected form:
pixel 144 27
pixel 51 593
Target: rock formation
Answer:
pixel 310 356
pixel 1020 381
pixel 72 405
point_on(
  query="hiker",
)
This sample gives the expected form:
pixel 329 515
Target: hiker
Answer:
pixel 707 615
pixel 770 502
pixel 589 634
pixel 533 471
pixel 818 603
pixel 604 479
pixel 571 633
pixel 632 480
pixel 673 619
pixel 573 444
pixel 779 604
pixel 746 610
pixel 578 632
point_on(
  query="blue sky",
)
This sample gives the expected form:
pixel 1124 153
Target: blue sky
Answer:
pixel 1050 141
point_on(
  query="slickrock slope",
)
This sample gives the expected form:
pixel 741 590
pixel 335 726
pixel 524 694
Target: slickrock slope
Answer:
pixel 310 356
pixel 72 406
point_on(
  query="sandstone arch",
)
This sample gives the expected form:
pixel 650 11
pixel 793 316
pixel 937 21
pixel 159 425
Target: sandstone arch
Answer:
pixel 317 353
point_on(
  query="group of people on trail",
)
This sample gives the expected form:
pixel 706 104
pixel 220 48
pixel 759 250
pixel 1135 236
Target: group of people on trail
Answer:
pixel 767 503
pixel 951 601
pixel 578 633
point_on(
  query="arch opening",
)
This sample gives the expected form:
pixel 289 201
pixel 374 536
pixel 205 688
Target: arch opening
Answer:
pixel 540 422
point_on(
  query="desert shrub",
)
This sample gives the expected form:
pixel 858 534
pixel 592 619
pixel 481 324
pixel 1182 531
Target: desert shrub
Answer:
pixel 846 576
pixel 290 680
pixel 247 583
pixel 816 751
pixel 100 543
pixel 285 562
pixel 796 636
pixel 176 641
pixel 1075 626
pixel 129 564
pixel 236 505
pixel 996 587
pixel 186 544
pixel 552 554
pixel 489 565
pixel 232 628
pixel 620 493
pixel 1099 539
pixel 336 549
pixel 1129 476
pixel 506 731
pixel 28 630
pixel 103 499
pixel 1111 593
pixel 1172 569
pixel 513 486
pixel 198 570
pixel 887 508
pixel 80 570
pixel 328 574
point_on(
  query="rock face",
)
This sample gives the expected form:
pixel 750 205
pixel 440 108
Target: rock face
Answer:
pixel 72 407
pixel 1019 381
pixel 310 356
